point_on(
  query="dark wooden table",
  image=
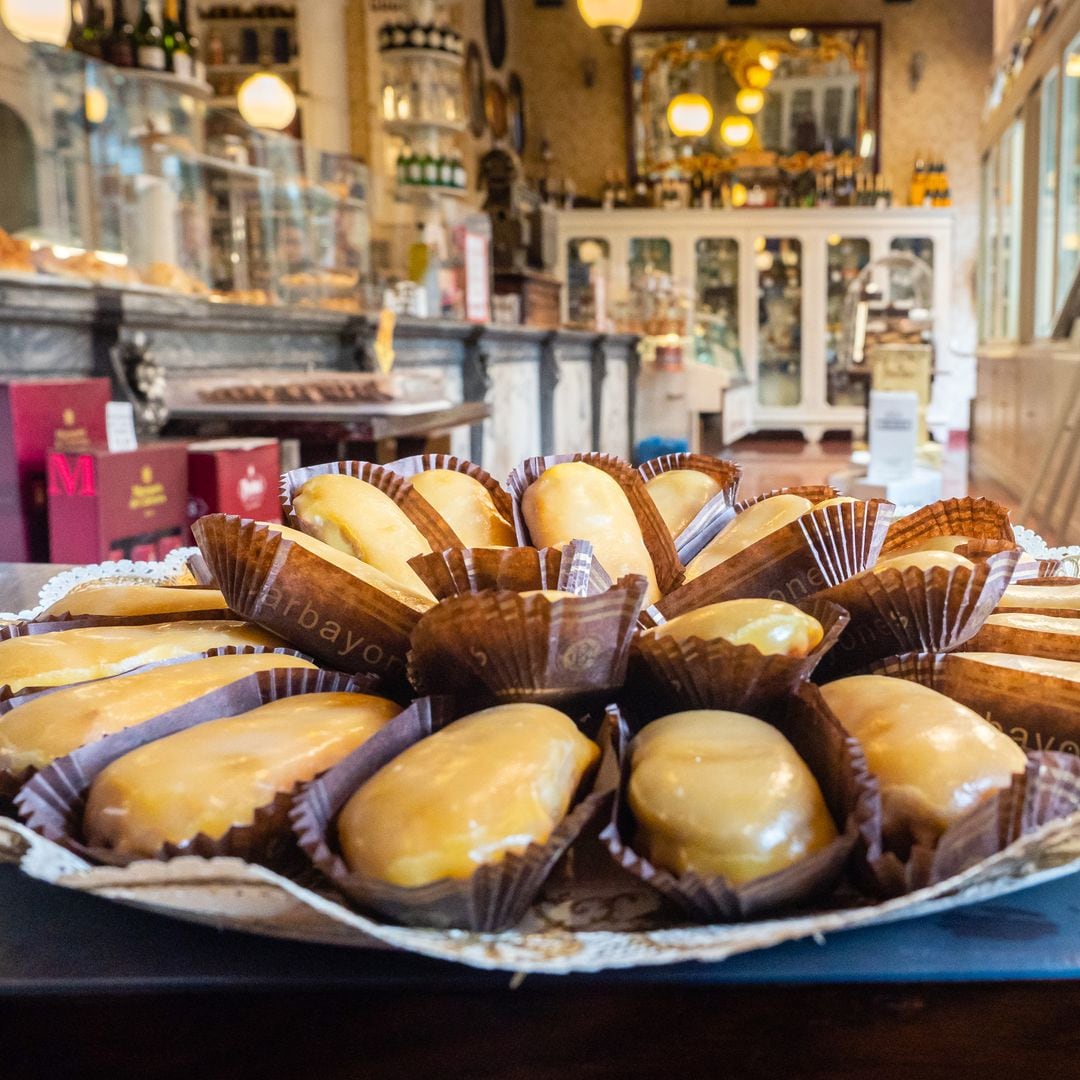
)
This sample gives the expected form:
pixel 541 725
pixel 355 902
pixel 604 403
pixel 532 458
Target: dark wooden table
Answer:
pixel 89 988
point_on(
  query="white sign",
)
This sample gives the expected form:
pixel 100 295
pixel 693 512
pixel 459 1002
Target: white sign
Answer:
pixel 477 274
pixel 120 427
pixel 894 432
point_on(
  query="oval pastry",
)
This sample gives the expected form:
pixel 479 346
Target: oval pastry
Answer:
pixel 771 626
pixel 214 776
pixel 108 599
pixel 356 517
pixel 723 793
pixel 1065 597
pixel 1031 665
pixel 466 506
pixel 679 494
pixel 50 726
pixel 935 758
pixel 95 652
pixel 484 786
pixel 577 501
pixel 924 560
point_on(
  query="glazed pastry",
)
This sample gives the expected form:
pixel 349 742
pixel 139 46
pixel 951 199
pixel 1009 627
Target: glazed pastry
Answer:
pixel 486 785
pixel 935 758
pixel 1041 596
pixel 577 501
pixel 1032 665
pixel 924 560
pixel 356 517
pixel 836 500
pixel 549 594
pixel 418 599
pixel 1035 623
pixel 466 506
pixel 723 793
pixel 109 599
pixel 771 626
pixel 48 727
pixel 755 522
pixel 95 652
pixel 941 543
pixel 679 494
pixel 215 775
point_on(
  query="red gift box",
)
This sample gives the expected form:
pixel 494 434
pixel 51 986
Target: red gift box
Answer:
pixel 105 506
pixel 37 416
pixel 235 476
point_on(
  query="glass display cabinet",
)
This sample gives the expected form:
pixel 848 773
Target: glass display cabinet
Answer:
pixel 768 288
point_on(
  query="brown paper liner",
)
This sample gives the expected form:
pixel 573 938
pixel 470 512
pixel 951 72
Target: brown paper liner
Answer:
pixel 654 532
pixel 415 507
pixel 816 551
pixel 897 611
pixel 410 466
pixel 200 571
pixel 839 767
pixel 1048 789
pixel 315 606
pixel 500 647
pixel 726 473
pixel 1014 639
pixel 461 571
pixel 52 802
pixel 700 674
pixel 981 519
pixel 10 782
pixel 494 898
pixel 715 517
pixel 1034 583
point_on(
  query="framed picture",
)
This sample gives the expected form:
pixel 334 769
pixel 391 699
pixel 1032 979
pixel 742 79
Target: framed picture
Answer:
pixel 475 86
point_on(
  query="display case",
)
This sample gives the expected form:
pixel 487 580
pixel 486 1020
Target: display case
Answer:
pixel 768 286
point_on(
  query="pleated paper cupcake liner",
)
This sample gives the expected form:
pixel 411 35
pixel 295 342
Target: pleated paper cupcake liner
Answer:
pixel 1015 639
pixel 495 897
pixel 53 801
pixel 726 473
pixel 980 519
pixel 711 520
pixel 461 571
pixel 416 508
pixel 322 610
pixel 1042 582
pixel 654 532
pixel 699 674
pixel 897 611
pixel 1048 789
pixel 838 765
pixel 418 463
pixel 501 647
pixel 816 551
pixel 11 778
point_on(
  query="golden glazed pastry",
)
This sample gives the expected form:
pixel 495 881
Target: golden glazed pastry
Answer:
pixel 356 517
pixel 941 543
pixel 679 494
pixel 137 600
pixel 1041 596
pixel 771 626
pixel 95 652
pixel 723 793
pixel 836 500
pixel 1036 623
pixel 213 776
pixel 48 727
pixel 417 599
pixel 755 522
pixel 577 501
pixel 486 785
pixel 466 506
pixel 934 757
pixel 1032 665
pixel 924 560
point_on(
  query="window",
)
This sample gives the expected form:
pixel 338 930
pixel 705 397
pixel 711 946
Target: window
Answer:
pixel 779 266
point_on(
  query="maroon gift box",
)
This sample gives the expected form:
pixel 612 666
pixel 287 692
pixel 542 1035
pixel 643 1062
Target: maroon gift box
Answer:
pixel 235 476
pixel 37 416
pixel 105 506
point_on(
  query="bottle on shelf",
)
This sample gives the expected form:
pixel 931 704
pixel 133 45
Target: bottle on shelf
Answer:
pixel 198 68
pixel 215 50
pixel 917 190
pixel 402 172
pixel 174 41
pixel 461 177
pixel 415 169
pixel 446 171
pixel 120 44
pixel 149 46
pixel 431 170
pixel 88 32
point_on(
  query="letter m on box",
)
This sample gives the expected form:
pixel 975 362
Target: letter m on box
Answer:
pixel 71 475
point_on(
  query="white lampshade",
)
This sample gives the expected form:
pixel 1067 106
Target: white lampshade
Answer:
pixel 689 115
pixel 614 17
pixel 37 20
pixel 266 101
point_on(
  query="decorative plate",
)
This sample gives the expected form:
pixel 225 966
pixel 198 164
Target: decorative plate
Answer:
pixel 495 109
pixel 495 32
pixel 515 94
pixel 475 84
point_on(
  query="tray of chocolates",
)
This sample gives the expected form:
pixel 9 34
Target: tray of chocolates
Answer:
pixel 592 717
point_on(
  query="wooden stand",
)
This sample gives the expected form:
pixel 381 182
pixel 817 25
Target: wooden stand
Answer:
pixel 539 294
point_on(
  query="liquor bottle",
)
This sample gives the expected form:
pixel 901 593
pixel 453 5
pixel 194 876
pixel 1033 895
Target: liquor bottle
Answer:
pixel 431 170
pixel 149 48
pixel 88 28
pixel 415 170
pixel 175 40
pixel 461 179
pixel 198 68
pixel 120 45
pixel 215 49
pixel 445 171
pixel 402 173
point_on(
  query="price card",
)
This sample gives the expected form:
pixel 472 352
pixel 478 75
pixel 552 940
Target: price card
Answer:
pixel 120 426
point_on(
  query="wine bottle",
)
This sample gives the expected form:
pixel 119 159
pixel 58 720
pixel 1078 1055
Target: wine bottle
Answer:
pixel 88 28
pixel 177 49
pixel 415 169
pixel 403 162
pixel 431 169
pixel 461 179
pixel 198 68
pixel 120 46
pixel 149 48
